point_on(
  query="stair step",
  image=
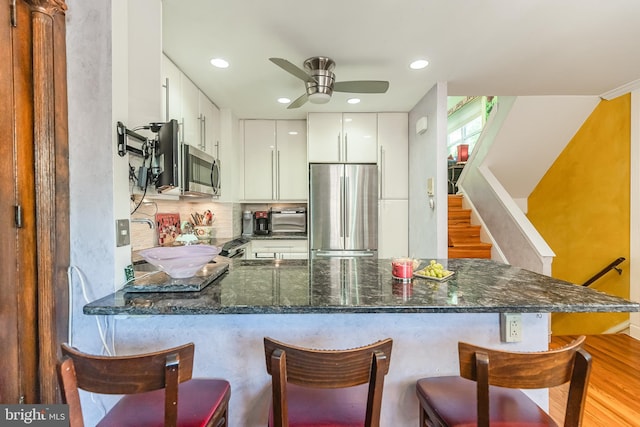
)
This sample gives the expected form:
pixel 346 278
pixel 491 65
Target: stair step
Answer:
pixel 478 250
pixel 455 201
pixel 459 214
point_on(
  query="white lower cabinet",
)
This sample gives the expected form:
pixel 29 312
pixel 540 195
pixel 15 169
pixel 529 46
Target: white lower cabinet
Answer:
pixel 393 228
pixel 278 249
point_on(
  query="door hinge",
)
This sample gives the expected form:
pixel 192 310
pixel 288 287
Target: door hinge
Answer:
pixel 14 18
pixel 18 216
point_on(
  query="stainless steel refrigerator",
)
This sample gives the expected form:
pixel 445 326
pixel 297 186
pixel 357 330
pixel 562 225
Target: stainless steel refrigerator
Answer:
pixel 343 210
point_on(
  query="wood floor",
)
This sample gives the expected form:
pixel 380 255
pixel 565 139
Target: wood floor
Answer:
pixel 613 397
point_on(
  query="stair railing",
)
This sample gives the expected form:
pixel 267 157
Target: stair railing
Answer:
pixel 612 266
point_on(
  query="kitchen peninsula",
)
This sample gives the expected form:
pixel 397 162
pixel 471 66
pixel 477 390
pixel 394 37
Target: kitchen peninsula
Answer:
pixel 342 303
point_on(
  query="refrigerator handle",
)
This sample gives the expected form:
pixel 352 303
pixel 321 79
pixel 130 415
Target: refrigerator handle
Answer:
pixel 347 202
pixel 341 206
pixel 339 148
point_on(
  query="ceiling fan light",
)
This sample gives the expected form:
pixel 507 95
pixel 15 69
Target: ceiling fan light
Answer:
pixel 319 98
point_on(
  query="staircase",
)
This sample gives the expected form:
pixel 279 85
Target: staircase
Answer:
pixel 464 238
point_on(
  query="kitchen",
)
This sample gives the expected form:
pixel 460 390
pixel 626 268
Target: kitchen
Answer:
pixel 106 263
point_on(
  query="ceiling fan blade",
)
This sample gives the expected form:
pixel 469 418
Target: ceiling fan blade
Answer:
pixel 302 99
pixel 362 86
pixel 292 69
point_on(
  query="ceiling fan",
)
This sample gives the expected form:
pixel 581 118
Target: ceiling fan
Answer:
pixel 320 81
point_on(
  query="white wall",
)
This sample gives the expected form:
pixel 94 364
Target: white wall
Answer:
pixel 428 159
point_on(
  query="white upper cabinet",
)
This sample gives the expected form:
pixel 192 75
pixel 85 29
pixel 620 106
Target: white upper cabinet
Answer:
pixel 209 118
pixel 275 160
pixel 259 159
pixel 393 156
pixel 291 159
pixel 342 137
pixel 190 120
pixel 171 91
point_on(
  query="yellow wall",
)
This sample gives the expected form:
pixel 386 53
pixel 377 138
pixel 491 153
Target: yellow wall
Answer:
pixel 581 208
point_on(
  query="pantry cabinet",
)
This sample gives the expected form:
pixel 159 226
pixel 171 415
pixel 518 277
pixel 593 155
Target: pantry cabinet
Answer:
pixel 393 228
pixel 275 162
pixel 342 137
pixel 393 156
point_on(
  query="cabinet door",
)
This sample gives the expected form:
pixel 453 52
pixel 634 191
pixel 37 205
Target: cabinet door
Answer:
pixel 291 160
pixel 259 159
pixel 324 137
pixel 209 123
pixel 190 113
pixel 393 155
pixel 393 228
pixel 359 138
pixel 171 93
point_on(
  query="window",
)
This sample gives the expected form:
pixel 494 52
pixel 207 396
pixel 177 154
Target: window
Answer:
pixel 465 122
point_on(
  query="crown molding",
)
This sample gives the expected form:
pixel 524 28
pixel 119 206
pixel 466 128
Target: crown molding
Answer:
pixel 626 88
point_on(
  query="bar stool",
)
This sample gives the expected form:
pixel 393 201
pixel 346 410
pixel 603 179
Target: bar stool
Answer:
pixel 331 388
pixel 486 392
pixel 158 387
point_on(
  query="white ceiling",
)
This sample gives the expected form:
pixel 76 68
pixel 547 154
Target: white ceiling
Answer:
pixel 479 47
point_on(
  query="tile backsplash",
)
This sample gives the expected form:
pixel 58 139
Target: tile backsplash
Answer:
pixel 226 219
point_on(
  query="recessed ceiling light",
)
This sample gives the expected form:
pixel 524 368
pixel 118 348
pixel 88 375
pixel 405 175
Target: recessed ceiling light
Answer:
pixel 219 62
pixel 293 132
pixel 284 100
pixel 353 100
pixel 419 64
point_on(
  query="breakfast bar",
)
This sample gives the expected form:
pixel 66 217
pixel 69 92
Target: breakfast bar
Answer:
pixel 344 303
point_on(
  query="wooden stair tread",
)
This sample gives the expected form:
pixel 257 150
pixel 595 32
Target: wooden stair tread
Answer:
pixel 464 237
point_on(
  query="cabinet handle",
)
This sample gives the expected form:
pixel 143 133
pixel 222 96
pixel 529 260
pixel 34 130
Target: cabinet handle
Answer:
pixel 166 99
pixel 346 147
pixel 278 175
pixel 181 127
pixel 204 132
pixel 273 186
pixel 339 148
pixel 381 167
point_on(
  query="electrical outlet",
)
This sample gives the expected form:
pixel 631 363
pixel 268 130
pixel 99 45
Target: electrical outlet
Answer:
pixel 510 327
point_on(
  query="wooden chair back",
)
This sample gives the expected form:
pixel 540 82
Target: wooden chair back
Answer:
pixel 530 370
pixel 125 375
pixel 327 369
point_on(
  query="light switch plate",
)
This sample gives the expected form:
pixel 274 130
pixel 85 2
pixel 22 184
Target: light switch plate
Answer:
pixel 122 232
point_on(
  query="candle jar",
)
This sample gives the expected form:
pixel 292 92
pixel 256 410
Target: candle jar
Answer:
pixel 402 269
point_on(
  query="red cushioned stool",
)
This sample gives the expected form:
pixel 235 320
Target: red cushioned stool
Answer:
pixel 486 392
pixel 158 387
pixel 330 388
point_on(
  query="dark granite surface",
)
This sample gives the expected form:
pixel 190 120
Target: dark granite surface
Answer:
pixel 366 286
pixel 279 236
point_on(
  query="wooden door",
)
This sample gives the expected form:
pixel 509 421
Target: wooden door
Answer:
pixel 34 208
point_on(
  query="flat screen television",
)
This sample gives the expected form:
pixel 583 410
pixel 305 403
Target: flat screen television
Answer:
pixel 167 156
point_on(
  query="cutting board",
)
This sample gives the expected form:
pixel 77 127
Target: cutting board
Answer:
pixel 168 226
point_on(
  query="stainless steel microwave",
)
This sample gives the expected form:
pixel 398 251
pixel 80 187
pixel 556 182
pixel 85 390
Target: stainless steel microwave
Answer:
pixel 186 170
pixel 200 172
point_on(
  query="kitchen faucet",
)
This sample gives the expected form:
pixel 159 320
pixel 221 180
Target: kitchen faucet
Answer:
pixel 144 220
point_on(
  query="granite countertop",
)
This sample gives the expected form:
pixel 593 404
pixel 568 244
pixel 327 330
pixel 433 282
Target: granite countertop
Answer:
pixel 366 286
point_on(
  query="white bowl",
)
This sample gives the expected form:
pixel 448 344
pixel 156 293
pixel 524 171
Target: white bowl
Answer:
pixel 180 262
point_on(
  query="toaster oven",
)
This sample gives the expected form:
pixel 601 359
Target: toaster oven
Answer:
pixel 291 220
